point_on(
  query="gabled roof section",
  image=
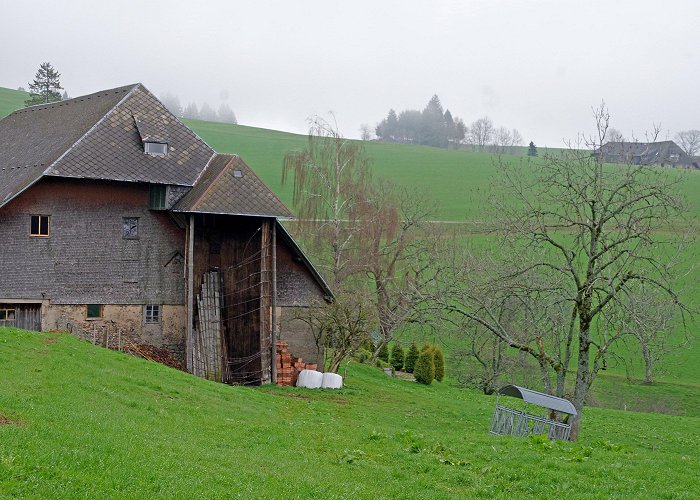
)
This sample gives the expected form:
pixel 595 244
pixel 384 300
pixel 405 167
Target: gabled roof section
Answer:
pixel 229 186
pixel 96 137
pixel 113 150
pixel 32 139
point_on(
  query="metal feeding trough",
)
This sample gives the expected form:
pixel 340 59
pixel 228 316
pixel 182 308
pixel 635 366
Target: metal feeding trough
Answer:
pixel 513 422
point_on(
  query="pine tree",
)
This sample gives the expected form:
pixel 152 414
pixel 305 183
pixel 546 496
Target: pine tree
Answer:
pixel 424 371
pixel 226 114
pixel 397 357
pixel 207 113
pixel 439 360
pixel 191 111
pixel 532 149
pixel 384 353
pixel 411 358
pixel 45 87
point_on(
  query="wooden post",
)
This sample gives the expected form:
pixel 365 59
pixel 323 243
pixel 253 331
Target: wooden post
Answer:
pixel 190 292
pixel 273 301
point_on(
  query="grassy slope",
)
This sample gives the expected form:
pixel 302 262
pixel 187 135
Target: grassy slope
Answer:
pixel 11 100
pixel 95 423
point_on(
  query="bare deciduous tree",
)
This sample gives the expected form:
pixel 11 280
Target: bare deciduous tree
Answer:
pixel 689 140
pixel 338 327
pixel 481 132
pixel 615 135
pixel 580 236
pixel 396 251
pixel 366 132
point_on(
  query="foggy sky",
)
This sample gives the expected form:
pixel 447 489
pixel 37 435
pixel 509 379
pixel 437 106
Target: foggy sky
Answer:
pixel 534 65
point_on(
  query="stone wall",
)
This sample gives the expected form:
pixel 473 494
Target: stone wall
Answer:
pixel 121 323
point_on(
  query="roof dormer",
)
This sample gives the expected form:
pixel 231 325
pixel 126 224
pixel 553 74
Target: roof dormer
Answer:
pixel 154 135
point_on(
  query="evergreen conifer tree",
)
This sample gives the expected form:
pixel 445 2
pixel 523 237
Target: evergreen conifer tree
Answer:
pixel 424 370
pixel 397 357
pixel 384 353
pixel 411 358
pixel 45 87
pixel 532 149
pixel 439 360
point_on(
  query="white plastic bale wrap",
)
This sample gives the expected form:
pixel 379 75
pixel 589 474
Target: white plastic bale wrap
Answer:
pixel 332 381
pixel 310 379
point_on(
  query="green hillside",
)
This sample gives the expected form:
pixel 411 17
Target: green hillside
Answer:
pixel 11 100
pixel 78 421
pixel 458 182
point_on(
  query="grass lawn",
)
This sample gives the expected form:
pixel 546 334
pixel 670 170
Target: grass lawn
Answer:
pixel 87 422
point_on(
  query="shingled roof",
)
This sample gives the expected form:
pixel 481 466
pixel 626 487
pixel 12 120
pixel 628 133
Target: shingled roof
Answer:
pixel 229 186
pixel 643 153
pixel 98 136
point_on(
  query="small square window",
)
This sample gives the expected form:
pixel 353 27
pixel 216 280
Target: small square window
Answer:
pixel 40 225
pixel 152 314
pixel 94 311
pixel 130 227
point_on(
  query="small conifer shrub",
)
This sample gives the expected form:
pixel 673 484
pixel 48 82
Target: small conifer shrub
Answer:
pixel 439 361
pixel 384 353
pixel 424 371
pixel 411 358
pixel 397 357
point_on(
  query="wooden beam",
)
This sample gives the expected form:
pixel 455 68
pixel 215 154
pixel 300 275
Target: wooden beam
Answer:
pixel 190 293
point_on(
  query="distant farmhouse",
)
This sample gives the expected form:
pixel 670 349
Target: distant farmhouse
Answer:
pixel 663 153
pixel 118 221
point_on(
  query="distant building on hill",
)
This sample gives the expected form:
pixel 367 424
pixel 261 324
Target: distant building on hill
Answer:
pixel 663 153
pixel 119 223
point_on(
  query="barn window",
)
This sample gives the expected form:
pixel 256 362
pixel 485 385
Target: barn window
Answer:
pixel 152 314
pixel 94 311
pixel 157 197
pixel 130 228
pixel 7 315
pixel 156 148
pixel 40 225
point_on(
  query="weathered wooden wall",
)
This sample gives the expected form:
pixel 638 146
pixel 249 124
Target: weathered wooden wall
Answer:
pixel 27 316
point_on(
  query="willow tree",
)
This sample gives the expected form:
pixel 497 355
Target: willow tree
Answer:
pixel 330 179
pixel 369 235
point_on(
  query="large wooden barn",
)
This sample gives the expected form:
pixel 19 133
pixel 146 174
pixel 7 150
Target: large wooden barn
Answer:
pixel 118 221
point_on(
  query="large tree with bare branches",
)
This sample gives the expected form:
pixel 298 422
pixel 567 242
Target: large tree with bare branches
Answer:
pixel 689 140
pixel 579 242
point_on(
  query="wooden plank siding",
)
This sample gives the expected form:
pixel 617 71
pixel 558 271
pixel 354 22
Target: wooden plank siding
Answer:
pixel 234 246
pixel 27 316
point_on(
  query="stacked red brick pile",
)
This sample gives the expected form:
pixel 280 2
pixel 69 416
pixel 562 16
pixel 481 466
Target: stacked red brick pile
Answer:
pixel 288 367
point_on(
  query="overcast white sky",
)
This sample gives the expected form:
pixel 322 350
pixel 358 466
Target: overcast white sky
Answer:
pixel 535 65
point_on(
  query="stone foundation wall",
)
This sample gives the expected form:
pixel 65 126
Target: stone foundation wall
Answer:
pixel 119 324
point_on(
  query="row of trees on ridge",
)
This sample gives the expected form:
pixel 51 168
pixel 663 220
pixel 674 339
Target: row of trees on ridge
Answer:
pixel 436 127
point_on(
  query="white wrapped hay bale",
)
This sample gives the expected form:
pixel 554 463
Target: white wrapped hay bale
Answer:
pixel 311 379
pixel 332 381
